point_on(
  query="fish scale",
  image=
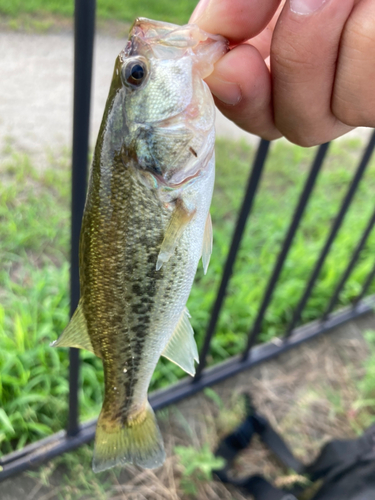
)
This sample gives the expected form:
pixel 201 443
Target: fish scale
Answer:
pixel 146 224
pixel 126 262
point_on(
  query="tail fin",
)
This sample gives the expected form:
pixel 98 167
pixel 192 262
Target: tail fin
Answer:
pixel 138 443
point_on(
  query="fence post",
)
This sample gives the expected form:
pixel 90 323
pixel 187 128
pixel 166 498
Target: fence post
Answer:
pixel 247 203
pixel 84 28
pixel 332 235
pixel 296 219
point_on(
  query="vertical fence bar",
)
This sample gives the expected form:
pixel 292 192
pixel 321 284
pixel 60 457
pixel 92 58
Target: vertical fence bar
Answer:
pixel 247 203
pixel 365 287
pixel 84 27
pixel 350 267
pixel 304 198
pixel 336 226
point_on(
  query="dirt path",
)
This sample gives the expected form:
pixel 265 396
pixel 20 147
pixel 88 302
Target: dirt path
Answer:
pixel 36 88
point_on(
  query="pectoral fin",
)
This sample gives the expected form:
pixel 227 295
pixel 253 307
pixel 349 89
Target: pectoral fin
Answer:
pixel 75 334
pixel 181 348
pixel 207 244
pixel 179 220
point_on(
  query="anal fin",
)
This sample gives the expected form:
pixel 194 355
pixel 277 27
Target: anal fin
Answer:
pixel 75 334
pixel 181 348
pixel 179 220
pixel 207 243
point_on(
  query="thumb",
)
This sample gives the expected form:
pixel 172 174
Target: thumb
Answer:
pixel 304 54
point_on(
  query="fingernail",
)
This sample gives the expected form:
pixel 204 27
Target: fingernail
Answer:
pixel 227 92
pixel 306 7
pixel 199 9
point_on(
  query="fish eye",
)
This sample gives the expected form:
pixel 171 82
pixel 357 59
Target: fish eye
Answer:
pixel 134 73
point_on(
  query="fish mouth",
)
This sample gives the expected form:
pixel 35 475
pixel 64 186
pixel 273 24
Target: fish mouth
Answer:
pixel 166 40
pixel 144 25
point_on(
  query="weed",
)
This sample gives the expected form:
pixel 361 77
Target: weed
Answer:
pixel 197 466
pixel 214 396
pixel 365 404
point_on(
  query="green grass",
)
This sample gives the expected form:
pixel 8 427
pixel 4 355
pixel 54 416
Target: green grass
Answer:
pixel 197 467
pixel 34 274
pixel 274 205
pixel 126 11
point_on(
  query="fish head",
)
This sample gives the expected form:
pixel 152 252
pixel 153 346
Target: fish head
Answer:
pixel 168 109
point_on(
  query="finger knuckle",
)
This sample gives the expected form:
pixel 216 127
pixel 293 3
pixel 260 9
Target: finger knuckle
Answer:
pixel 353 101
pixel 301 137
pixel 360 35
pixel 287 58
pixel 353 114
pixel 302 140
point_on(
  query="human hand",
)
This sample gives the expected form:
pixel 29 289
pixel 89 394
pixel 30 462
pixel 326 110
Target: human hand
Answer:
pixel 321 55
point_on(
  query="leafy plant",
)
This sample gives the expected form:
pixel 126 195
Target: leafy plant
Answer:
pixel 197 466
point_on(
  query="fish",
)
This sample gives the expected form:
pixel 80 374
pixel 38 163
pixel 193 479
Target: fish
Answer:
pixel 146 225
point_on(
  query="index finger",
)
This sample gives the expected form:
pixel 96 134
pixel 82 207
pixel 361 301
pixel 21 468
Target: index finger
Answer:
pixel 237 20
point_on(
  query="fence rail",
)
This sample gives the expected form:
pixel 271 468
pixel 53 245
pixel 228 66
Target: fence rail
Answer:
pixel 76 434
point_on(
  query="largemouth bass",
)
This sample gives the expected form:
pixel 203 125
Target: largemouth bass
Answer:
pixel 146 224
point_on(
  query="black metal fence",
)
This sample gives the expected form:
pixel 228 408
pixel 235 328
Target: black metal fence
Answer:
pixel 76 434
